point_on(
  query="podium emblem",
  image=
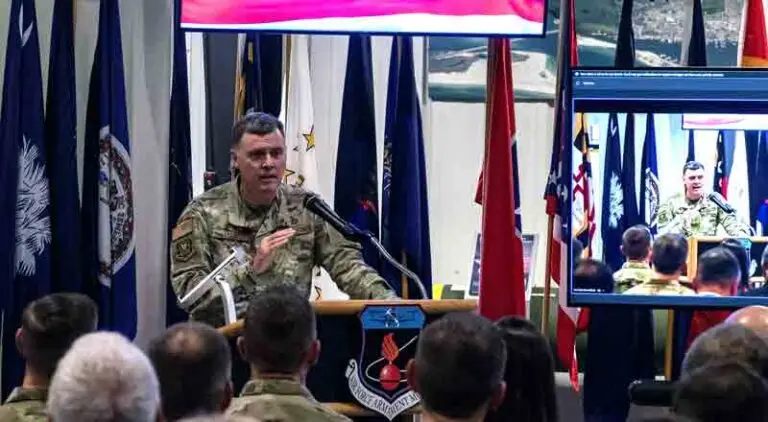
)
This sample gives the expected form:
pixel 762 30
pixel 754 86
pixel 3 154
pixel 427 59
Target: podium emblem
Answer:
pixel 377 378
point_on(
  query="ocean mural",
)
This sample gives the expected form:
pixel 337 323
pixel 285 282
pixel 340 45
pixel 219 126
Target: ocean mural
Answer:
pixel 457 66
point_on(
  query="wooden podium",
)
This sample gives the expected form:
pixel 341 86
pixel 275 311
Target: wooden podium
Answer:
pixel 701 244
pixel 340 332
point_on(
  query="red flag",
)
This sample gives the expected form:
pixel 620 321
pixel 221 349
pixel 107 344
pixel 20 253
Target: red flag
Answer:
pixel 754 48
pixel 502 289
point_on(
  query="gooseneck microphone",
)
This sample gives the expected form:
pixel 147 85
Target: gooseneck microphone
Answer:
pixel 721 202
pixel 317 206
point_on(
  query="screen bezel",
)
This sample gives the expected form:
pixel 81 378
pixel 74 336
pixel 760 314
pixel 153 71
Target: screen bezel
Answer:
pixel 577 299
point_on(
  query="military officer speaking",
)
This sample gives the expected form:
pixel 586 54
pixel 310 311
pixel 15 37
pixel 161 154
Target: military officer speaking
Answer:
pixel 267 218
pixel 694 213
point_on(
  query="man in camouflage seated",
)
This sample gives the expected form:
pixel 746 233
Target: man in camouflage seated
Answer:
pixel 636 247
pixel 49 326
pixel 670 252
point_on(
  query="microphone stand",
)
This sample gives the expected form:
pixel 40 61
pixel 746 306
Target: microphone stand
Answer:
pixel 360 235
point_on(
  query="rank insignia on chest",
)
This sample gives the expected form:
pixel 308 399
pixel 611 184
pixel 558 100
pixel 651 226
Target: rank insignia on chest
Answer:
pixel 376 378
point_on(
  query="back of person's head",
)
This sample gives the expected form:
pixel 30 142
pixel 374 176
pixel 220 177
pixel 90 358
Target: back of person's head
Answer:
pixel 529 375
pixel 636 243
pixel 577 249
pixel 670 252
pixel 279 333
pixel 193 365
pixel 50 325
pixel 753 317
pixel 722 391
pixel 741 253
pixel 727 342
pixel 459 366
pixel 104 378
pixel 718 268
pixel 594 275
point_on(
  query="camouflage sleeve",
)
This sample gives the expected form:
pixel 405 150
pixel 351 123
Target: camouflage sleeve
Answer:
pixel 344 262
pixel 733 225
pixel 668 222
pixel 191 259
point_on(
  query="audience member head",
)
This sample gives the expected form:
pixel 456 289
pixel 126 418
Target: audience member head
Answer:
pixel 753 317
pixel 459 367
pixel 722 391
pixel 104 378
pixel 529 375
pixel 49 326
pixel 693 180
pixel 279 333
pixel 193 365
pixel 717 272
pixel 727 342
pixel 636 243
pixel 577 249
pixel 594 275
pixel 742 257
pixel 670 252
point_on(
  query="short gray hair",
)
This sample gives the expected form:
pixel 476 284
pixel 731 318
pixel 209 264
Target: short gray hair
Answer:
pixel 104 377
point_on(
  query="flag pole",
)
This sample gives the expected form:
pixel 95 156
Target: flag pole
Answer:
pixel 547 280
pixel 669 344
pixel 403 278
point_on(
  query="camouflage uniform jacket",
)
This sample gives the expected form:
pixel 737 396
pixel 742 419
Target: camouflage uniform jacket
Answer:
pixel 661 287
pixel 220 219
pixel 706 217
pixel 631 274
pixel 281 399
pixel 28 404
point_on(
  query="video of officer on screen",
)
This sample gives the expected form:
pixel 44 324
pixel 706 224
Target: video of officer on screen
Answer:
pixel 670 194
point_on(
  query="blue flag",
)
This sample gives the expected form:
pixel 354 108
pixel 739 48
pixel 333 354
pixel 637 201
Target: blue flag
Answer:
pixel 108 196
pixel 691 148
pixel 613 220
pixel 61 146
pixel 180 159
pixel 628 180
pixel 696 53
pixel 262 73
pixel 759 196
pixel 405 216
pixel 649 177
pixel 357 187
pixel 27 250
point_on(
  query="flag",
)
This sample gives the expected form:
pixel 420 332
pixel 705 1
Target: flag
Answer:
pixel 557 196
pixel 694 51
pixel 649 177
pixel 405 212
pixel 760 192
pixel 357 192
pixel 29 242
pixel 753 42
pixel 259 83
pixel 502 289
pixel 613 221
pixel 180 159
pixel 628 179
pixel 108 198
pixel 61 145
pixel 299 118
pixel 583 206
pixel 691 156
pixel 738 180
pixel 720 182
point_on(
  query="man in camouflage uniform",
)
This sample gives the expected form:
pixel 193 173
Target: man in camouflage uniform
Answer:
pixel 636 247
pixel 670 252
pixel 692 213
pixel 49 326
pixel 280 343
pixel 267 218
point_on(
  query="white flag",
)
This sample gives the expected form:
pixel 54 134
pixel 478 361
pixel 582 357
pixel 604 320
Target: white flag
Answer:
pixel 738 182
pixel 298 115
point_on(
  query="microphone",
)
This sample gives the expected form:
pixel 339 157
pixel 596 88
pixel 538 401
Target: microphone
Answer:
pixel 316 205
pixel 320 208
pixel 721 203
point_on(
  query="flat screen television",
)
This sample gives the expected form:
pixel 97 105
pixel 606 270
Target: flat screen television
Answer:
pixel 659 121
pixel 511 18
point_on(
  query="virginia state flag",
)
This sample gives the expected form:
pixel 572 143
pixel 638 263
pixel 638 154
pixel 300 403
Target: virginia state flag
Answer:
pixel 108 197
pixel 61 146
pixel 357 186
pixel 649 177
pixel 405 214
pixel 180 158
pixel 28 244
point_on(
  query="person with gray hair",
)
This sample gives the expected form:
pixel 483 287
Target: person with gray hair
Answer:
pixel 104 378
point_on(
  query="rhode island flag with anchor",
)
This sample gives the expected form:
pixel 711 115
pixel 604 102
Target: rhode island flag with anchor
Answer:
pixel 108 207
pixel 377 378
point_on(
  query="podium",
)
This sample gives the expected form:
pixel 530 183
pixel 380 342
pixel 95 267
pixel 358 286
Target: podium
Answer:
pixel 701 244
pixel 340 331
